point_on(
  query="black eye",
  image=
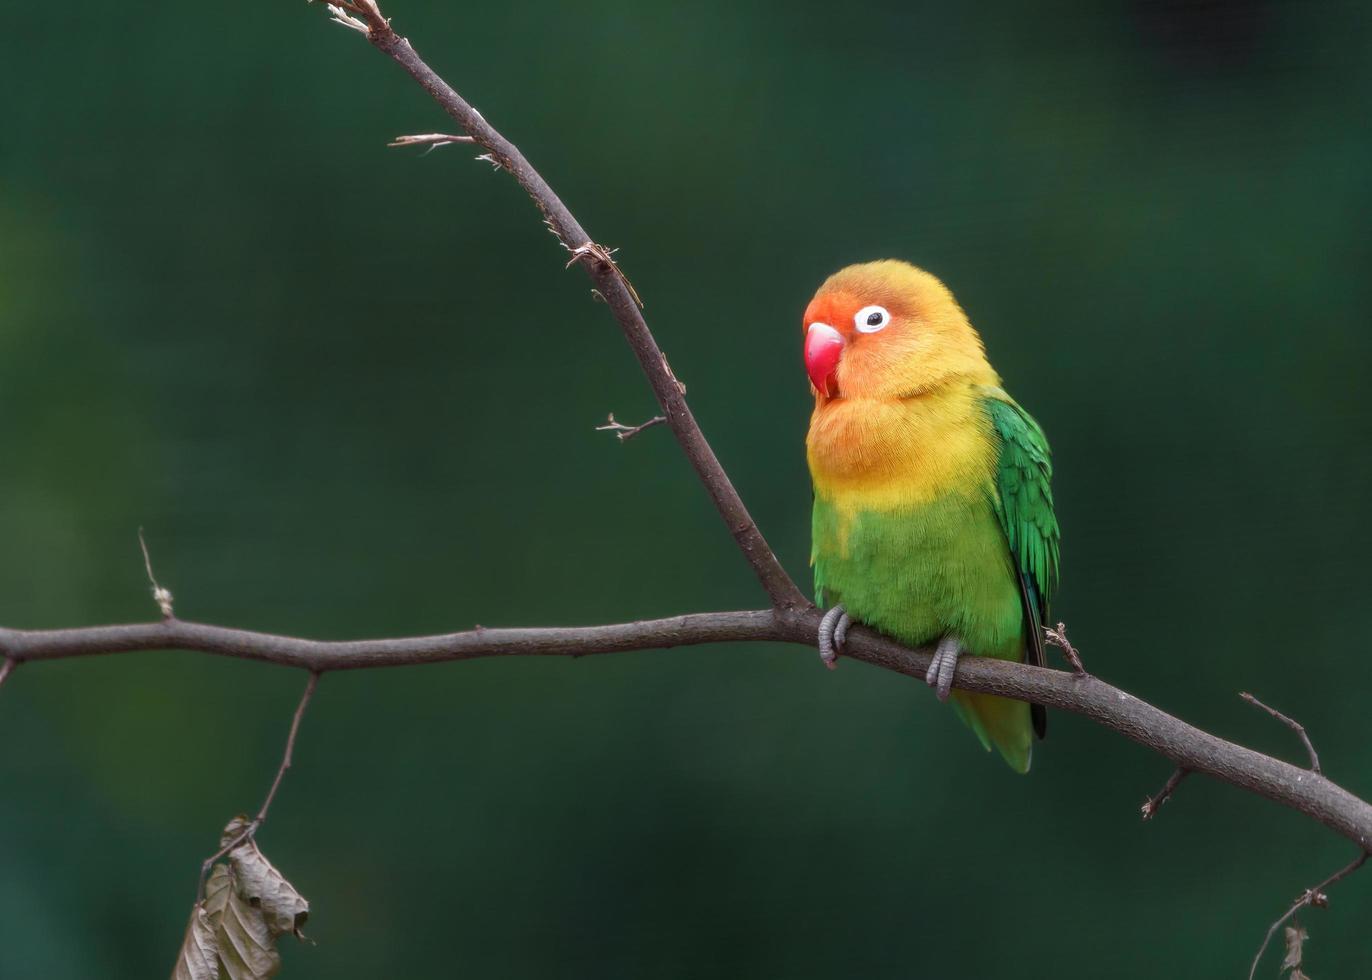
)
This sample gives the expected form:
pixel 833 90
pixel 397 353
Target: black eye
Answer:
pixel 874 319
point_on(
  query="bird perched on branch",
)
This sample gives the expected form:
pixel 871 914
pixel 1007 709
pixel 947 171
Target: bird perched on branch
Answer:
pixel 933 518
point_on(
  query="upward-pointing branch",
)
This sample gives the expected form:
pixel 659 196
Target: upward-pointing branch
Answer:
pixel 611 285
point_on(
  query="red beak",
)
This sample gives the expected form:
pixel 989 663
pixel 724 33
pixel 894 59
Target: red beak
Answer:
pixel 823 348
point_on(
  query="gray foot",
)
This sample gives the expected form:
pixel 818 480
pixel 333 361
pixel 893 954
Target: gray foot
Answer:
pixel 833 628
pixel 943 666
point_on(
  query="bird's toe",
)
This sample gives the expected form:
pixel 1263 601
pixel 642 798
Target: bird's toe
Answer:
pixel 832 628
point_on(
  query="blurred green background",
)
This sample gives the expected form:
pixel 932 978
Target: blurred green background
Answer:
pixel 349 391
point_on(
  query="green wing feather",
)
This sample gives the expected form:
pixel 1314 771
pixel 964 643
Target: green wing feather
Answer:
pixel 1024 504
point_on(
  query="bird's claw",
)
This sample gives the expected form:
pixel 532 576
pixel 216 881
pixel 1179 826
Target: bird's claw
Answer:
pixel 833 630
pixel 939 676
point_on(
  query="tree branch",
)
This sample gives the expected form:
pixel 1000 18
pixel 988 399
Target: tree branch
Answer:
pixel 256 823
pixel 1313 896
pixel 1185 745
pixel 611 284
pixel 791 619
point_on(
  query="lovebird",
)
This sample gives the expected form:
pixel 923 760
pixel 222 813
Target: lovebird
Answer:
pixel 933 516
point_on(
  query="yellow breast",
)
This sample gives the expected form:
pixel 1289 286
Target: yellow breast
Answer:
pixel 886 455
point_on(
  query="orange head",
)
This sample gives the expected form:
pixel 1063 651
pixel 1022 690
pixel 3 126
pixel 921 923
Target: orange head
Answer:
pixel 887 330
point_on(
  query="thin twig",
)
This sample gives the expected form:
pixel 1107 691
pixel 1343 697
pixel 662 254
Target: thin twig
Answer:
pixel 161 596
pixel 1290 723
pixel 1154 803
pixel 627 432
pixel 256 823
pixel 1057 636
pixel 1313 896
pixel 6 669
pixel 430 139
pixel 608 279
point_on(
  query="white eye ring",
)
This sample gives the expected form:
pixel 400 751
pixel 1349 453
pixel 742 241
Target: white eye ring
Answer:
pixel 870 319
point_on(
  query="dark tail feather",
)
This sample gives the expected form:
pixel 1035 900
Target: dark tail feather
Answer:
pixel 1033 647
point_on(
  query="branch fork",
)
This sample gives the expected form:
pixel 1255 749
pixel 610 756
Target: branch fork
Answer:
pixel 1290 723
pixel 626 432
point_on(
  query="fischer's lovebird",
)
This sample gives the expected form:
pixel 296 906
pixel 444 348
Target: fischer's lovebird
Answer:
pixel 933 518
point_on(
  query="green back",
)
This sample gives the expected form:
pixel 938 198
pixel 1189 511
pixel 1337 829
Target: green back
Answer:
pixel 1024 500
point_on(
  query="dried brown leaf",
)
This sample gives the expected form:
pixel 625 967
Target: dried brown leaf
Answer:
pixel 1295 950
pixel 199 956
pixel 247 950
pixel 263 887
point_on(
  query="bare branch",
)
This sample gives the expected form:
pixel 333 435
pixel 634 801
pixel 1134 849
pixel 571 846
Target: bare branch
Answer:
pixel 627 432
pixel 256 823
pixel 1313 896
pixel 1186 746
pixel 1290 723
pixel 1154 803
pixel 611 283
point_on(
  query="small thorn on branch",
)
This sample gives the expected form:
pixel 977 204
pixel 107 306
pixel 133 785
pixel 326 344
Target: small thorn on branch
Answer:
pixel 430 140
pixel 626 432
pixel 601 255
pixel 1057 636
pixel 671 374
pixel 6 669
pixel 1154 803
pixel 161 596
pixel 1317 897
pixel 1290 723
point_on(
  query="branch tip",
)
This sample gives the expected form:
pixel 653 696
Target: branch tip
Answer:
pixel 1154 803
pixel 1057 636
pixel 1292 724
pixel 161 596
pixel 363 16
pixel 626 432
